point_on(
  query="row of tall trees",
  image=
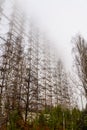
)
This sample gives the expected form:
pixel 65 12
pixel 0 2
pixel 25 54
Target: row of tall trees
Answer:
pixel 58 118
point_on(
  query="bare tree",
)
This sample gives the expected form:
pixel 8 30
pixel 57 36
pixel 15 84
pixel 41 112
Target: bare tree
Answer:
pixel 80 53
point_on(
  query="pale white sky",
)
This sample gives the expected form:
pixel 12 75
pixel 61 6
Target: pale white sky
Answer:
pixel 61 19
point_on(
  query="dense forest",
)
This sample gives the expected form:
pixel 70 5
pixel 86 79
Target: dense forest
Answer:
pixel 36 91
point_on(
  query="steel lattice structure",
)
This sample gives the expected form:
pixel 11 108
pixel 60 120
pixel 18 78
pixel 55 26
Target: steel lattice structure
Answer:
pixel 31 78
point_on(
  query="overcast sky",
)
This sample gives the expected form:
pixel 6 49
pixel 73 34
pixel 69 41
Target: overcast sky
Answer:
pixel 62 19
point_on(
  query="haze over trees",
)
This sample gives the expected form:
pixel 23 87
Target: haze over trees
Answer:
pixel 34 82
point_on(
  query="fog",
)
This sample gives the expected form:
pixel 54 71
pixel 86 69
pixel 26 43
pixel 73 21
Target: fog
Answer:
pixel 61 20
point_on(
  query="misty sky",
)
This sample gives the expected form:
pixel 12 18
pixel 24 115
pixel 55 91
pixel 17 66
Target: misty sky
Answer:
pixel 61 19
